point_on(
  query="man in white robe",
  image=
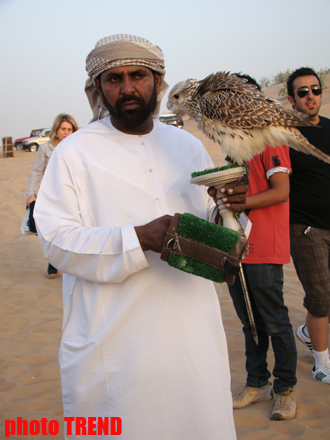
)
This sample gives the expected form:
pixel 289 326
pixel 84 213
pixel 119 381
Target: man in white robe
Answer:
pixel 141 340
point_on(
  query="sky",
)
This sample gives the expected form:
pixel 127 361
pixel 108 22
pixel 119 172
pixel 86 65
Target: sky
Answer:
pixel 44 44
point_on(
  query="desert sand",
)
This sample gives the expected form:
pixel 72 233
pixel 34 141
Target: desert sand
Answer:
pixel 31 314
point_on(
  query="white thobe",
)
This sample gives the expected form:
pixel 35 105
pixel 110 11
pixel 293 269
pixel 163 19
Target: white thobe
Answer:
pixel 141 340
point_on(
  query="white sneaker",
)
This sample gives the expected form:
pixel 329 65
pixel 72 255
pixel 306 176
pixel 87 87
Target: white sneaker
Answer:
pixel 303 338
pixel 322 374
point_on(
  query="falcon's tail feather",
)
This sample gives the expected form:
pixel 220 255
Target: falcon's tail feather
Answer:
pixel 298 142
pixel 242 145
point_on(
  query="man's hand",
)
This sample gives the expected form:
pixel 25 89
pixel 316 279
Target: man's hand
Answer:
pixel 234 198
pixel 151 236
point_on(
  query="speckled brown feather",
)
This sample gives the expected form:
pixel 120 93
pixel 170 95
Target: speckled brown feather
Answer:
pixel 239 117
pixel 240 104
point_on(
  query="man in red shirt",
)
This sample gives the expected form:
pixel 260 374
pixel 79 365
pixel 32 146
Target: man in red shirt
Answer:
pixel 268 209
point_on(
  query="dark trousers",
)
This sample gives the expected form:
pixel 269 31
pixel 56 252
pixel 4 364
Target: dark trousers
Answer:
pixel 265 286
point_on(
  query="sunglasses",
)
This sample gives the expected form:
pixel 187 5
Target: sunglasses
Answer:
pixel 303 91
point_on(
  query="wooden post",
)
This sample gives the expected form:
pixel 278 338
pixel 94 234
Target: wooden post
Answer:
pixel 8 147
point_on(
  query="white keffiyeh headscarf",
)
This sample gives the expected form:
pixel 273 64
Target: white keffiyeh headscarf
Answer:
pixel 122 50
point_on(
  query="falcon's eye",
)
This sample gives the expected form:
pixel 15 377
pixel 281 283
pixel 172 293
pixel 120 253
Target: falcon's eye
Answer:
pixel 176 96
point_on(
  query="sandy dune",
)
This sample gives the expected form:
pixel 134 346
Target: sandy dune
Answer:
pixel 31 313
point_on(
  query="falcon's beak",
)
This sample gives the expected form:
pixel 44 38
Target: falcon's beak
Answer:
pixel 169 104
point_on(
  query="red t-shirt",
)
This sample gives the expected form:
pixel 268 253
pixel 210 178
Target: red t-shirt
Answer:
pixel 269 240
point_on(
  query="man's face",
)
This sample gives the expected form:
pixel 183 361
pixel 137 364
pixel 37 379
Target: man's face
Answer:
pixel 309 104
pixel 129 93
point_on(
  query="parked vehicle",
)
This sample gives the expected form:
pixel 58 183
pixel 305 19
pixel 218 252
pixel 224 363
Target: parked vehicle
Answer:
pixel 19 142
pixel 172 119
pixel 32 143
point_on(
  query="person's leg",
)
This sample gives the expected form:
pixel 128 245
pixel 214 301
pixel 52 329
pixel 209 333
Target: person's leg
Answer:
pixel 266 283
pixel 257 387
pixel 52 272
pixel 310 253
pixel 256 355
pixel 318 330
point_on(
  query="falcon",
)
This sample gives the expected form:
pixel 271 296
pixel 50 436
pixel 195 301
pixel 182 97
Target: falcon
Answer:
pixel 238 116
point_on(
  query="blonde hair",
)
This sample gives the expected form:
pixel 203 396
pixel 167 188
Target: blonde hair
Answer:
pixel 62 117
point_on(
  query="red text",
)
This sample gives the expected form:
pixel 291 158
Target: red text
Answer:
pixel 34 427
pixel 93 425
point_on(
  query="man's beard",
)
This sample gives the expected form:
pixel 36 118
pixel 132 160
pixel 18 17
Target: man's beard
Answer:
pixel 135 117
pixel 309 113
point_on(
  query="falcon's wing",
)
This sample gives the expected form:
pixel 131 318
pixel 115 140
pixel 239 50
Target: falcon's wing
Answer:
pixel 238 104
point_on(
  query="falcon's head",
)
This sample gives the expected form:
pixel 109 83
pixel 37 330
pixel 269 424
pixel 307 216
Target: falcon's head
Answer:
pixel 179 98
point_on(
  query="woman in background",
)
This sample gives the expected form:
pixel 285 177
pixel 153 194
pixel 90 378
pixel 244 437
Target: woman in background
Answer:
pixel 63 126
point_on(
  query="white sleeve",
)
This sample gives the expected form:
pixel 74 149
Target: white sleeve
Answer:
pixel 37 172
pixel 277 170
pixel 97 254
